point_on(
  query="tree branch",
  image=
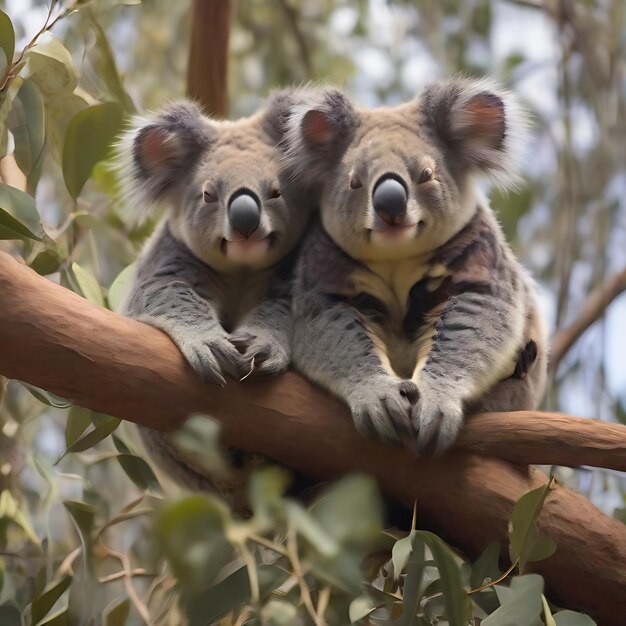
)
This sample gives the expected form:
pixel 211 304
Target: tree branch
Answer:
pixel 52 338
pixel 592 309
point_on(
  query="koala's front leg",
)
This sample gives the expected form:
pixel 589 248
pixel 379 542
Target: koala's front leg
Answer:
pixel 264 338
pixel 477 336
pixel 166 294
pixel 333 348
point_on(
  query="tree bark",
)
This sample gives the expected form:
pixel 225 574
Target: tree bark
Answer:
pixel 52 338
pixel 207 66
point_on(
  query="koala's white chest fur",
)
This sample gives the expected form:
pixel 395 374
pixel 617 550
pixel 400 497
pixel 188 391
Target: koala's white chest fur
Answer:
pixel 391 282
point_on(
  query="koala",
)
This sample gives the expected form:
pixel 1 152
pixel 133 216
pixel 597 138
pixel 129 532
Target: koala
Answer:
pixel 216 274
pixel 408 303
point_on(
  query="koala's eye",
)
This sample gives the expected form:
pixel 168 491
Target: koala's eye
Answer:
pixel 355 181
pixel 426 175
pixel 275 192
pixel 209 196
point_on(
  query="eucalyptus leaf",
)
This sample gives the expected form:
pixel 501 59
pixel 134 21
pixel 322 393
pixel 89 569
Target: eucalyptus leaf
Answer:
pixel 7 42
pixel 92 438
pixel 210 605
pixel 413 580
pixel 78 420
pixel 360 608
pixel 47 397
pixel 50 66
pixel 19 214
pixel 47 261
pixel 571 618
pixel 87 284
pixel 83 516
pixel 138 470
pixel 455 598
pixel 526 544
pixel 191 532
pixel 87 141
pixel 400 553
pixel 486 567
pixel 27 126
pixel 47 599
pixel 120 287
pixel 521 604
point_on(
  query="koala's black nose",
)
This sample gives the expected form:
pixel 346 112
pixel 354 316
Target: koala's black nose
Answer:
pixel 244 213
pixel 390 200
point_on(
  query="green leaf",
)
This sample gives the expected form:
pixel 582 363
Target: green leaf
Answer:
pixel 87 141
pixel 78 420
pixel 47 397
pixel 10 509
pixel 360 608
pixel 86 284
pixel 520 604
pixel 351 511
pixel 191 532
pixel 198 441
pixel 455 598
pixel 19 215
pixel 121 286
pixel 547 613
pixel 571 618
pixel 526 544
pixel 140 473
pixel 50 66
pixel 92 438
pixel 27 126
pixel 48 598
pixel 307 526
pixel 57 619
pixel 486 567
pixel 208 606
pixel 7 43
pixel 106 68
pixel 267 487
pixel 116 613
pixel 47 261
pixel 83 516
pixel 400 553
pixel 10 615
pixel 411 595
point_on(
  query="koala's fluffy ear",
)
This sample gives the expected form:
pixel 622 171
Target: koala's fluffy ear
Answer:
pixel 318 127
pixel 482 126
pixel 157 154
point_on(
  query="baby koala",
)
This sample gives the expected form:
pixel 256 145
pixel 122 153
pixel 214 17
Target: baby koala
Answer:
pixel 408 303
pixel 216 274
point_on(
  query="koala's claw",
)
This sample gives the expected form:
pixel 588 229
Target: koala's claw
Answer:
pixel 213 357
pixel 384 408
pixel 437 420
pixel 261 351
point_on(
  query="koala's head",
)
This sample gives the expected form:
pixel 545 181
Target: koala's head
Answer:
pixel 220 180
pixel 399 182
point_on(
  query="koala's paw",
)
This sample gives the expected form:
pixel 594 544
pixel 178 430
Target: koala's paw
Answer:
pixel 211 354
pixel 383 407
pixel 262 352
pixel 437 420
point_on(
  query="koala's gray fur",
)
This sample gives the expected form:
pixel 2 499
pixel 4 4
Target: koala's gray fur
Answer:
pixel 415 323
pixel 222 296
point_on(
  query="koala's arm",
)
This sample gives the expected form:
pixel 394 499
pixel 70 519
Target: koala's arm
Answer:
pixel 264 337
pixel 172 291
pixel 477 331
pixel 334 344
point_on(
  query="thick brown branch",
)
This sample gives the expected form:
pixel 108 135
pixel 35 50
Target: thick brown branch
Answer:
pixel 207 66
pixel 53 338
pixel 592 309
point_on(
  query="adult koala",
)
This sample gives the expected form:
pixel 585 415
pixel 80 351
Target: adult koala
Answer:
pixel 216 274
pixel 408 303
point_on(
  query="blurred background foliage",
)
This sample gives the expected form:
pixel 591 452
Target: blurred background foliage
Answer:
pixel 85 534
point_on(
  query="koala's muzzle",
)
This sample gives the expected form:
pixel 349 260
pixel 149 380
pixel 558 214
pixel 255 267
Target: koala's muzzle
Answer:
pixel 390 200
pixel 244 213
